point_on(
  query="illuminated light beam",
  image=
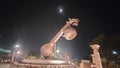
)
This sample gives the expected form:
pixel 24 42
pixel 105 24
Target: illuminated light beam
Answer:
pixel 4 50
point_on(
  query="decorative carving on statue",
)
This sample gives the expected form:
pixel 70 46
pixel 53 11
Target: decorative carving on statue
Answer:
pixel 70 33
pixel 49 50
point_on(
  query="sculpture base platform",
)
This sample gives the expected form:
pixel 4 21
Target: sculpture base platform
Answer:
pixel 45 63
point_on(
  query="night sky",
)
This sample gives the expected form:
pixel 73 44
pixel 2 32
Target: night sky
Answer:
pixel 31 24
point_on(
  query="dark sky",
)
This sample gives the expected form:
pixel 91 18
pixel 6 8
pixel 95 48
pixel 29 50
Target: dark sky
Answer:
pixel 34 23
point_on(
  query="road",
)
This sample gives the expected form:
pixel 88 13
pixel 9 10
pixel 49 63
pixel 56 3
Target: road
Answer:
pixel 6 66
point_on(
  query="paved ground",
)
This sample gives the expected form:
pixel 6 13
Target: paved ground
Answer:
pixel 7 66
pixel 4 65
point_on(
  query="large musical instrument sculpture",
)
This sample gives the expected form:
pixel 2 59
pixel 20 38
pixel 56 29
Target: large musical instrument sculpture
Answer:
pixel 67 31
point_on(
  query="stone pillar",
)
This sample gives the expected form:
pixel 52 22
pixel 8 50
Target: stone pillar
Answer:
pixel 93 58
pixel 84 64
pixel 96 56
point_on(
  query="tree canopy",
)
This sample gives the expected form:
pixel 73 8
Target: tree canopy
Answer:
pixel 108 45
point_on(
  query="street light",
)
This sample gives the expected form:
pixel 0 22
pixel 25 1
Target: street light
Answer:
pixel 57 51
pixel 17 46
pixel 114 52
pixel 18 52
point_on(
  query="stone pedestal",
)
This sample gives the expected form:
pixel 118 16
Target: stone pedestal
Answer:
pixel 96 57
pixel 85 64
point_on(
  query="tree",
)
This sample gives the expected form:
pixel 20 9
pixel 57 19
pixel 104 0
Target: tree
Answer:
pixel 98 40
pixel 112 44
pixel 108 44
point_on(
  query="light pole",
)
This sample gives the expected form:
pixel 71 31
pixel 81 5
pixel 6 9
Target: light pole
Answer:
pixel 16 52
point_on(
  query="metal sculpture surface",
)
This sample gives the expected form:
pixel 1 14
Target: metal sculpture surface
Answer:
pixel 49 50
